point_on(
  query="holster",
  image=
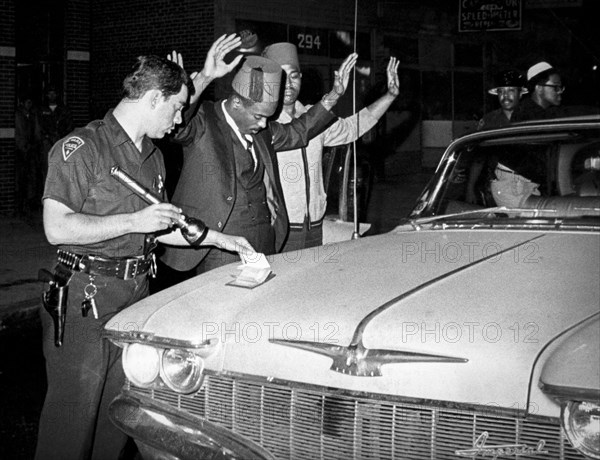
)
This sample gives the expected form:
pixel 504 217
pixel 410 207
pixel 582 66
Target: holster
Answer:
pixel 55 297
pixel 150 244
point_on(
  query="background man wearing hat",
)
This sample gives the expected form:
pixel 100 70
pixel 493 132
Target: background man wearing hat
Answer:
pixel 545 86
pixel 509 87
pixel 229 177
pixel 301 169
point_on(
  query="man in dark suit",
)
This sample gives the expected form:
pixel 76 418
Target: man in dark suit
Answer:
pixel 229 177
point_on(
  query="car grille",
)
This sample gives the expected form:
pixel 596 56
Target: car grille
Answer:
pixel 297 422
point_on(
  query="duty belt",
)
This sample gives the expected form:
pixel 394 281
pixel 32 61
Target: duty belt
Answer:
pixel 122 268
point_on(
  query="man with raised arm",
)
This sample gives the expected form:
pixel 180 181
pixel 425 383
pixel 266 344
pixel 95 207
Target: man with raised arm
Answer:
pixel 301 169
pixel 229 177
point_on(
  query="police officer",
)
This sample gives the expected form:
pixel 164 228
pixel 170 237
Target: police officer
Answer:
pixel 100 228
pixel 509 87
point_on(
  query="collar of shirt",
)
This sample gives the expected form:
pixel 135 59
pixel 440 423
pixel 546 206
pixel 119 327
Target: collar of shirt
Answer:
pixel 299 109
pixel 121 137
pixel 243 139
pixel 231 122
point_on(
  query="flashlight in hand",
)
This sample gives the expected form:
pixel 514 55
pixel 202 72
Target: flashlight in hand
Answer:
pixel 192 229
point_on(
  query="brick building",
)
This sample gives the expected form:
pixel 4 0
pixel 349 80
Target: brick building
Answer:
pixel 448 54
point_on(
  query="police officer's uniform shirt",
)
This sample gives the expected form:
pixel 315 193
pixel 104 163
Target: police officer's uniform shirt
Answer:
pixel 79 177
pixel 492 120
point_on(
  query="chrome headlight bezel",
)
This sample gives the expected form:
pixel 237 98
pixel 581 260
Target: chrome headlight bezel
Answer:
pixel 147 366
pixel 181 370
pixel 159 372
pixel 142 374
pixel 572 413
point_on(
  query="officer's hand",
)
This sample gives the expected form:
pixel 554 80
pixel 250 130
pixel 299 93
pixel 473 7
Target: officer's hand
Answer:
pixel 155 217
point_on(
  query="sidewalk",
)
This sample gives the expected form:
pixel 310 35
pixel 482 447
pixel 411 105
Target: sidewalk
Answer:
pixel 23 251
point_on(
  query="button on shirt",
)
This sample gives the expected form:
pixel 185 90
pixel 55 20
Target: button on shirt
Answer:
pixel 79 177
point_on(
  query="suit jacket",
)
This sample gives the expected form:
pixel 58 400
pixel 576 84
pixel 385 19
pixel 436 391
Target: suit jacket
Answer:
pixel 207 184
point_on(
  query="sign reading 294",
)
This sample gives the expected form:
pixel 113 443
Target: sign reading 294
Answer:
pixel 310 41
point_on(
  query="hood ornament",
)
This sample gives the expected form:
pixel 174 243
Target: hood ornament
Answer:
pixel 358 360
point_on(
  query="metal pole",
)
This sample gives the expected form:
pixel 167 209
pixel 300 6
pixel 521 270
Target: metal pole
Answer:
pixel 356 233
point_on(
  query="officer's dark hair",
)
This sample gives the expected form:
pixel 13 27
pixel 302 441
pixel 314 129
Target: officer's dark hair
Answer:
pixel 153 72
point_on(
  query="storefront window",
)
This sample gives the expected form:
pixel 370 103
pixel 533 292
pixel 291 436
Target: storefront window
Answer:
pixel 468 55
pixel 404 48
pixel 437 95
pixel 468 95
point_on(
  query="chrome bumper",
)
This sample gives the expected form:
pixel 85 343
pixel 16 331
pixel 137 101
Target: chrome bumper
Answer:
pixel 162 432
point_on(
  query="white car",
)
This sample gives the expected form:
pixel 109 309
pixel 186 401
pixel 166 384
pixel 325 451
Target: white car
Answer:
pixel 472 330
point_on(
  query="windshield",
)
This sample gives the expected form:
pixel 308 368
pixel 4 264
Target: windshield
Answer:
pixel 554 175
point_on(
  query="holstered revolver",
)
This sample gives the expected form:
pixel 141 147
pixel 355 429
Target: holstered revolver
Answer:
pixel 55 299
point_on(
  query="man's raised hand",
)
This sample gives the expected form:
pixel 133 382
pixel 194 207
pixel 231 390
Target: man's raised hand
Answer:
pixel 393 83
pixel 342 75
pixel 215 65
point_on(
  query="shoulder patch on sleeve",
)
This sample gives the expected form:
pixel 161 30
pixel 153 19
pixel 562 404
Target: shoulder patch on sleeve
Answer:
pixel 70 145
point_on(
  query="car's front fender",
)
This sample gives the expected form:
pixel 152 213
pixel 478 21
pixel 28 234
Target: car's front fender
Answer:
pixel 572 371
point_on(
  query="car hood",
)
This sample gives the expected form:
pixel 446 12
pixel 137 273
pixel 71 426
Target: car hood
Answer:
pixel 489 300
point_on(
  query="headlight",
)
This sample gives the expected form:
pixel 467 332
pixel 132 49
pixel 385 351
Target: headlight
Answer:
pixel 181 370
pixel 581 421
pixel 141 364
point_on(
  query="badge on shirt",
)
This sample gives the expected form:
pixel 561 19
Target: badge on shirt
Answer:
pixel 159 184
pixel 70 145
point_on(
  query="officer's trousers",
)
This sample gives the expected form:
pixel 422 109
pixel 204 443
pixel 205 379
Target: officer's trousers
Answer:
pixel 85 374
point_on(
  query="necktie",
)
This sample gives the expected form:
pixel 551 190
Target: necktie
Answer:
pixel 249 143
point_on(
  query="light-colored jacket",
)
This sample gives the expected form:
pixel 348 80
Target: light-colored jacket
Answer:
pixel 291 168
